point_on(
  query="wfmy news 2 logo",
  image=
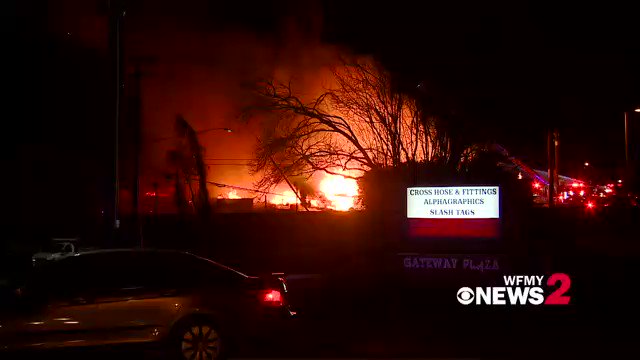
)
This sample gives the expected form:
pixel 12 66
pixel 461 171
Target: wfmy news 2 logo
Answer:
pixel 520 290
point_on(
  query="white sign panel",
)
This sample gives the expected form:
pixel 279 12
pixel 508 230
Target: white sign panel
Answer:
pixel 459 202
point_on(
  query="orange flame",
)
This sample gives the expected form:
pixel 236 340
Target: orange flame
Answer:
pixel 286 198
pixel 341 191
pixel 335 192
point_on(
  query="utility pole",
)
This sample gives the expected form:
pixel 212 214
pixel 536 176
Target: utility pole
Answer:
pixel 556 162
pixel 155 199
pixel 134 112
pixel 552 158
pixel 627 160
pixel 626 140
pixel 116 13
pixel 290 185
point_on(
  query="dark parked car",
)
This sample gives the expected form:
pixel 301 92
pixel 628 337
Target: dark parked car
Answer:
pixel 197 308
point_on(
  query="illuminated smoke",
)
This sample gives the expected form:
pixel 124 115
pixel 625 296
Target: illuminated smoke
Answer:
pixel 206 76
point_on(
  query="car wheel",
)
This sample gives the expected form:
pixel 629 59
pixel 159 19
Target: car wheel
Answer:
pixel 197 339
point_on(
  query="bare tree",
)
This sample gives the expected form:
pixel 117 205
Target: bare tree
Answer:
pixel 186 160
pixel 358 124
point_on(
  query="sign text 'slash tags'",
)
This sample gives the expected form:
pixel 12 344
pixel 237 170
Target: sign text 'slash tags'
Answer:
pixel 460 202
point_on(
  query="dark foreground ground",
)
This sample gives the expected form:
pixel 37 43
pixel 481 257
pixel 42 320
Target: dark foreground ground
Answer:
pixel 353 307
pixel 359 318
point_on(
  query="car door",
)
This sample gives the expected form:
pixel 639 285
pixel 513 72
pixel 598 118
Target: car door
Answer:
pixel 137 305
pixel 54 310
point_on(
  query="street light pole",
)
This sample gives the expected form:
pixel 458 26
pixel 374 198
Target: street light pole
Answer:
pixel 551 174
pixel 116 14
pixel 628 170
pixel 626 142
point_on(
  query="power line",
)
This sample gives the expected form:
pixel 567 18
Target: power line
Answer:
pixel 221 185
pixel 210 164
pixel 242 188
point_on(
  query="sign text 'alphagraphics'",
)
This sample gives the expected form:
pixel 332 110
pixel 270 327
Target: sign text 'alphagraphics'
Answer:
pixel 460 202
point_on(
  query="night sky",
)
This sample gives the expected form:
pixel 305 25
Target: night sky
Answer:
pixel 513 69
pixel 503 71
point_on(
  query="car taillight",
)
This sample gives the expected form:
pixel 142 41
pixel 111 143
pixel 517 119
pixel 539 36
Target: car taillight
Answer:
pixel 271 297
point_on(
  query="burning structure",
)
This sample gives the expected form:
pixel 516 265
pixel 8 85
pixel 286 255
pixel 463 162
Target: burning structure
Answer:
pixel 324 119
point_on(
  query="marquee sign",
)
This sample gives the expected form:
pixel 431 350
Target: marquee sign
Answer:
pixel 459 202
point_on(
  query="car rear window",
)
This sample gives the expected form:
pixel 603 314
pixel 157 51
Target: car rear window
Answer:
pixel 185 269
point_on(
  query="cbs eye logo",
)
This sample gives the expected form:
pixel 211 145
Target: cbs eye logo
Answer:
pixel 465 296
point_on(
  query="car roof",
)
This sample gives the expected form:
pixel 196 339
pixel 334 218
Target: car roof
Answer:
pixel 134 250
pixel 124 250
pixel 81 252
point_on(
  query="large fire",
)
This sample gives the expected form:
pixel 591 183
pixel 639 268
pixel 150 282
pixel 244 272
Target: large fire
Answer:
pixel 287 197
pixel 334 192
pixel 340 191
pixel 233 195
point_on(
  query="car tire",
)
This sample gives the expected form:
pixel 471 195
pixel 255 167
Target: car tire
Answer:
pixel 196 339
